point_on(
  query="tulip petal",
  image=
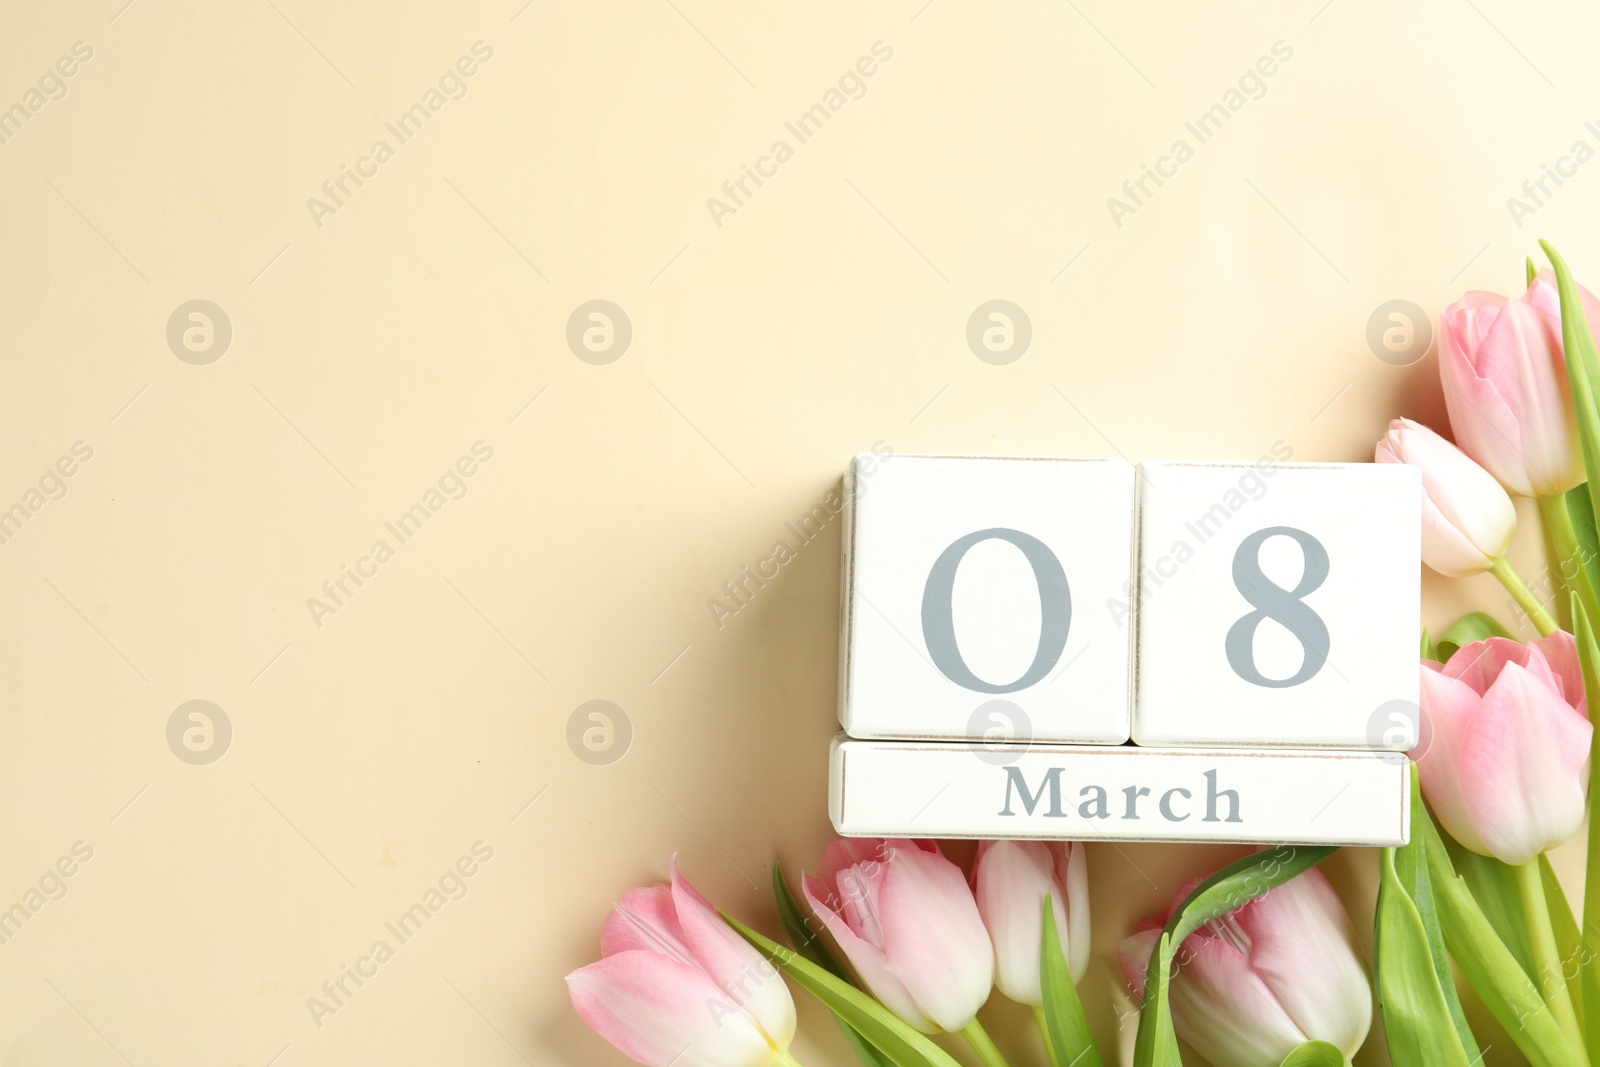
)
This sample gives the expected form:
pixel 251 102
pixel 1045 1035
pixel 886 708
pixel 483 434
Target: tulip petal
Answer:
pixel 1225 1010
pixel 1560 650
pixel 1494 439
pixel 742 973
pixel 934 940
pixel 1011 879
pixel 1185 891
pixel 1076 931
pixel 1505 386
pixel 1450 551
pixel 857 901
pixel 663 1012
pixel 1524 766
pixel 1479 663
pixel 1303 948
pixel 1545 297
pixel 1467 518
pixel 1447 705
pixel 645 919
pixel 1540 396
pixel 1542 670
pixel 865 958
pixel 843 853
pixel 1133 956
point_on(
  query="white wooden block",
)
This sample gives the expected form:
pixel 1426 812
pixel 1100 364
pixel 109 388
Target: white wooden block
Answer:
pixel 1278 603
pixel 973 598
pixel 1124 793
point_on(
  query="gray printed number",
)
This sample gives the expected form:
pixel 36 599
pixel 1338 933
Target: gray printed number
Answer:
pixel 1286 607
pixel 938 611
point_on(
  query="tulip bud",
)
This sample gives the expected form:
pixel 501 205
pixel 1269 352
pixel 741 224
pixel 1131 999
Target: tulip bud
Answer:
pixel 676 986
pixel 1505 385
pixel 1011 879
pixel 904 918
pixel 1507 767
pixel 1255 984
pixel 1467 518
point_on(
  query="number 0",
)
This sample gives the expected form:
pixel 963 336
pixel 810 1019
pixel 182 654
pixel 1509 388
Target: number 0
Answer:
pixel 938 611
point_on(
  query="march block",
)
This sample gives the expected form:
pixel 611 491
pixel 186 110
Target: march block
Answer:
pixel 1124 793
pixel 973 598
pixel 1277 604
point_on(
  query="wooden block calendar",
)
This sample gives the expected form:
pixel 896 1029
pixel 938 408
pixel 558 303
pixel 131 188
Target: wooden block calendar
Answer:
pixel 999 612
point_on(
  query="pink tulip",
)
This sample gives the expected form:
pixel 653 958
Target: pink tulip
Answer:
pixel 903 916
pixel 1011 879
pixel 1263 979
pixel 1505 385
pixel 676 985
pixel 1467 518
pixel 1507 767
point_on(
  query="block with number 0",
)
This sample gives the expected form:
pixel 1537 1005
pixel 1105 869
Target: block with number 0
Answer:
pixel 1278 604
pixel 974 599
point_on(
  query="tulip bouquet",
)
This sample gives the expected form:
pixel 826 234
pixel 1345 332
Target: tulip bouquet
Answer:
pixel 1258 963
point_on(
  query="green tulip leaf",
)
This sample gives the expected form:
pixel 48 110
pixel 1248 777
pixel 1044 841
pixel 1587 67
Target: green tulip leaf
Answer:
pixel 809 943
pixel 1497 889
pixel 1493 886
pixel 1583 371
pixel 1232 887
pixel 806 941
pixel 1422 1019
pixel 1589 953
pixel 1582 574
pixel 1496 975
pixel 1415 1013
pixel 1241 882
pixel 1477 626
pixel 1156 1044
pixel 901 1043
pixel 1564 924
pixel 1533 271
pixel 1066 1030
pixel 1429 649
pixel 1413 880
pixel 1315 1054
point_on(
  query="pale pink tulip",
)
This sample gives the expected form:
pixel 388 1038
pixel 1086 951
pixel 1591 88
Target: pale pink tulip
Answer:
pixel 1265 978
pixel 1010 879
pixel 1467 518
pixel 905 919
pixel 677 985
pixel 1505 385
pixel 1506 768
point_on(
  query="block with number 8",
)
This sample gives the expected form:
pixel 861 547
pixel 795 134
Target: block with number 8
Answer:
pixel 1277 604
pixel 972 599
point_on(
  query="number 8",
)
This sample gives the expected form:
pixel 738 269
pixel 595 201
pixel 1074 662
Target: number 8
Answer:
pixel 1283 606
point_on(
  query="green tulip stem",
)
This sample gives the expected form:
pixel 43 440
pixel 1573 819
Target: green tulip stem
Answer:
pixel 978 1038
pixel 1588 992
pixel 1569 562
pixel 1501 569
pixel 1044 1028
pixel 783 1059
pixel 1546 957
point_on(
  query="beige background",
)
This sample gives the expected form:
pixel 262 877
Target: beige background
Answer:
pixel 826 314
